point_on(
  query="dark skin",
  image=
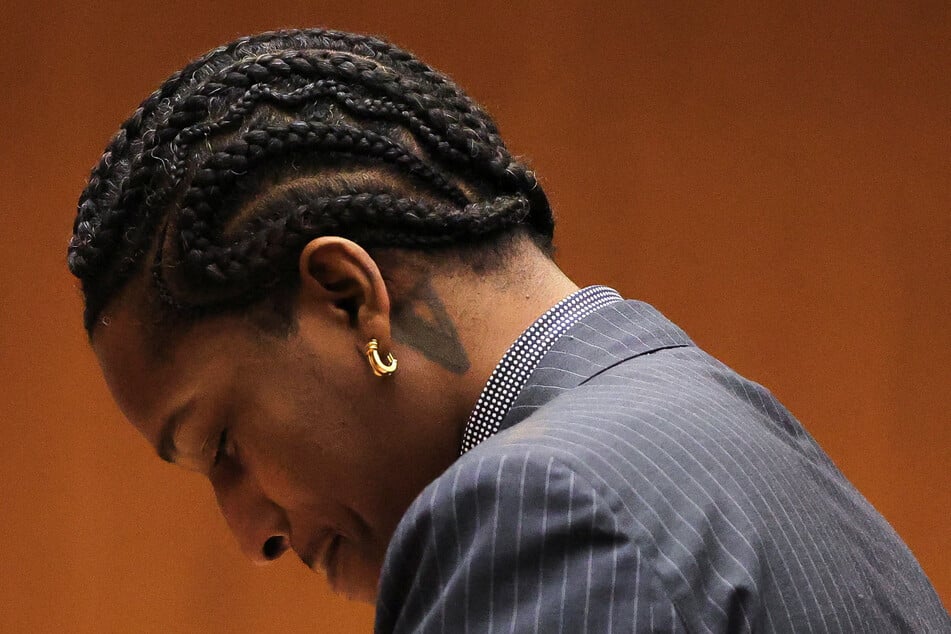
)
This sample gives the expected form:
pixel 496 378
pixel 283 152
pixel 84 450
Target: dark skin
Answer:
pixel 305 447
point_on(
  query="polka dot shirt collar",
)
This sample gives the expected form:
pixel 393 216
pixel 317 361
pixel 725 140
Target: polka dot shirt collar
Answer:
pixel 521 359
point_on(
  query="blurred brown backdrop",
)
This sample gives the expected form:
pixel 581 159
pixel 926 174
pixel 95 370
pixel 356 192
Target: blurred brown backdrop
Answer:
pixel 774 177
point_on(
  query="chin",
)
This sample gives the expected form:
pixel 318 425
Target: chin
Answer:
pixel 352 576
pixel 360 595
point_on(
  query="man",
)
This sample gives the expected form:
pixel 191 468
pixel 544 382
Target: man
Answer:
pixel 305 260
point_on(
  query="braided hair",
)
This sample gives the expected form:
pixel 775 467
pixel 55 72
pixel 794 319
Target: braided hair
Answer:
pixel 217 181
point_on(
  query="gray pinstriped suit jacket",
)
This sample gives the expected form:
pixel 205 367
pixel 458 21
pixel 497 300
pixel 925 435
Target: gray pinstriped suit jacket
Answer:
pixel 639 485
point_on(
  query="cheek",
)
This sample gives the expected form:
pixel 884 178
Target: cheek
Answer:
pixel 334 410
pixel 290 468
pixel 314 430
pixel 303 450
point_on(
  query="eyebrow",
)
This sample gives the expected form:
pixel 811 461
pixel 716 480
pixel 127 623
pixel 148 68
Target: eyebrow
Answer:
pixel 166 442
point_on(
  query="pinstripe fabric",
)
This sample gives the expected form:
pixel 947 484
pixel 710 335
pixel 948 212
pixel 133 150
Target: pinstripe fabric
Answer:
pixel 639 485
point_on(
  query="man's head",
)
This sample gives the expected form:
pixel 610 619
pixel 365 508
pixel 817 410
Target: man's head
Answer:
pixel 267 211
pixel 235 162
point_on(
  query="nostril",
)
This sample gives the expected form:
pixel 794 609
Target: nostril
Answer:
pixel 274 547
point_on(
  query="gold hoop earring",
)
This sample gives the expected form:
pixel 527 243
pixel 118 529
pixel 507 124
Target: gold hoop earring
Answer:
pixel 376 363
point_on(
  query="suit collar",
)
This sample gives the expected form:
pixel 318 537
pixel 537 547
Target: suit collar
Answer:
pixel 520 360
pixel 613 334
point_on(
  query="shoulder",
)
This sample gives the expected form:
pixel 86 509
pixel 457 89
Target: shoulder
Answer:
pixel 499 501
pixel 499 478
pixel 514 536
pixel 661 408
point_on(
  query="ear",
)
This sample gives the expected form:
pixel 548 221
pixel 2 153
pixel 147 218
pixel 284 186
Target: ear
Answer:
pixel 340 280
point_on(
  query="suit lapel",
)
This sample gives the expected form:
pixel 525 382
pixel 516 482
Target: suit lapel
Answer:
pixel 603 339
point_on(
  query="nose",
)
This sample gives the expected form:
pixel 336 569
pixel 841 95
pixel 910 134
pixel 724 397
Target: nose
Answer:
pixel 259 524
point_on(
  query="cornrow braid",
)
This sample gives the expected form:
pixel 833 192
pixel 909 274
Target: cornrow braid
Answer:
pixel 224 173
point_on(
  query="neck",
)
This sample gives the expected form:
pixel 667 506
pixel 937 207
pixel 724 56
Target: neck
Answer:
pixel 492 314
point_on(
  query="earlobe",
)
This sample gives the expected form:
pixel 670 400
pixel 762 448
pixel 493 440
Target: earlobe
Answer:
pixel 338 276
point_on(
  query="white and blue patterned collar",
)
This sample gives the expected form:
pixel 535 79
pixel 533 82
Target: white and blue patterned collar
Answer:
pixel 521 359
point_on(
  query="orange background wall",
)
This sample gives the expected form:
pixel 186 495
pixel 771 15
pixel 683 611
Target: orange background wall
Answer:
pixel 775 178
